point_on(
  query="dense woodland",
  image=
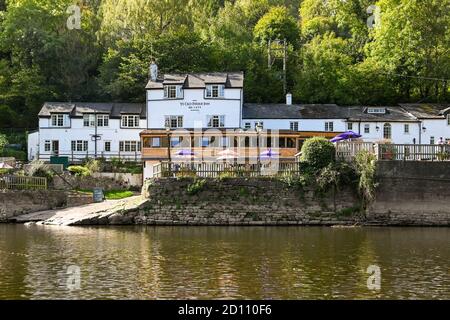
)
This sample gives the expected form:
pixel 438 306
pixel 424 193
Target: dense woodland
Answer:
pixel 333 57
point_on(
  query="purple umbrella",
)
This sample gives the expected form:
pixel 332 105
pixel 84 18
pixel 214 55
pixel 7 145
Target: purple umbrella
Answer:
pixel 345 136
pixel 269 154
pixel 185 154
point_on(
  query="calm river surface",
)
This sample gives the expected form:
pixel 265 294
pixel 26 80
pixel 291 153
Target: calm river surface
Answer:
pixel 222 262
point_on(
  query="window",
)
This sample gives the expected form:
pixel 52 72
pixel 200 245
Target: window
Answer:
pixel 79 145
pixel 387 131
pixel 286 142
pixel 247 125
pixel 329 126
pixel 173 121
pixel 173 92
pixel 89 120
pixel 294 125
pixel 259 123
pixel 47 146
pixel 130 121
pixel 350 126
pixel 108 146
pixel 129 146
pixel 367 128
pixel 59 120
pixel 103 120
pixel 216 121
pixel 448 119
pixel 406 128
pixel 431 140
pixel 215 91
pixel 156 142
pixel 376 110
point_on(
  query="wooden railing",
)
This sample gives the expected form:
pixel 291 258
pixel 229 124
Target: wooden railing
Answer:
pixel 218 169
pixel 348 150
pixel 23 183
pixel 414 152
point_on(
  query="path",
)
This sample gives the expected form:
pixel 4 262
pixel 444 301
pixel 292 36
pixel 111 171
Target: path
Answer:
pixel 77 215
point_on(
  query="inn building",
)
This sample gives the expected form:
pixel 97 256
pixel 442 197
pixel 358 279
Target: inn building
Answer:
pixel 206 113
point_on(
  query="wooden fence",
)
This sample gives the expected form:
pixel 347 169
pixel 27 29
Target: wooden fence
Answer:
pixel 218 169
pixel 23 183
pixel 347 151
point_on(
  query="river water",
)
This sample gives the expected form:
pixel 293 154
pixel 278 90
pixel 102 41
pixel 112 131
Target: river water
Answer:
pixel 40 262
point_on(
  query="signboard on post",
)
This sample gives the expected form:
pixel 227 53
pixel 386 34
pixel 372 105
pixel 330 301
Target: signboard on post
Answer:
pixel 98 195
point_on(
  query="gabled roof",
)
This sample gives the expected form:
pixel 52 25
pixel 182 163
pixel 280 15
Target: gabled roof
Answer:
pixel 199 80
pixel 393 113
pixel 427 110
pixel 295 111
pixel 77 109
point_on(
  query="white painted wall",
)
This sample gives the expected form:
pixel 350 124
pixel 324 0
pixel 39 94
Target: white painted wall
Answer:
pixel 304 124
pixel 113 133
pixel 399 135
pixel 230 106
pixel 435 128
pixel 33 145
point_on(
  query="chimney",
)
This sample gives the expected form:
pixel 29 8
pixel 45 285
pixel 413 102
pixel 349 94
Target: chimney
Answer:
pixel 289 99
pixel 153 71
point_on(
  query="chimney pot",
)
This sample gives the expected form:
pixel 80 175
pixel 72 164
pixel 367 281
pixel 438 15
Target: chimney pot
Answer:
pixel 289 99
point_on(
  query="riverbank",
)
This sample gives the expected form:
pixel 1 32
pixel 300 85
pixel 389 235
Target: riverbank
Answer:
pixel 408 194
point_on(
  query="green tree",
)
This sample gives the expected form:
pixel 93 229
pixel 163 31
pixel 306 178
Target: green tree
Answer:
pixel 277 24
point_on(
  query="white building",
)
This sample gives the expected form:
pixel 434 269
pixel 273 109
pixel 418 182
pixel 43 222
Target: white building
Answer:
pixel 80 130
pixel 211 100
pixel 215 100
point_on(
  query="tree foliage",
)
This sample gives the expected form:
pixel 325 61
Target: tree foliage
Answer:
pixel 333 56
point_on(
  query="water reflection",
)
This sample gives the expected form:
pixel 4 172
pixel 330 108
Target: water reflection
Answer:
pixel 223 262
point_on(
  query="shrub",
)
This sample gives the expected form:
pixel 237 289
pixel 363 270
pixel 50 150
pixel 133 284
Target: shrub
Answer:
pixel 196 187
pixel 365 166
pixel 93 166
pixel 38 168
pixel 318 153
pixel 79 171
pixel 186 173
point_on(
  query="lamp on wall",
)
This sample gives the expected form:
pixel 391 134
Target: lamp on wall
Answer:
pixel 377 128
pixel 424 129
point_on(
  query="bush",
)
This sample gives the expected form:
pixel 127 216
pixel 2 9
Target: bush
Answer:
pixel 79 171
pixel 93 166
pixel 196 187
pixel 38 168
pixel 18 154
pixel 365 166
pixel 318 153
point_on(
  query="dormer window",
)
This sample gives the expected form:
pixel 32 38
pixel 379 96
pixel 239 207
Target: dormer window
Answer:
pixel 130 121
pixel 173 92
pixel 60 120
pixel 215 91
pixel 376 110
pixel 89 120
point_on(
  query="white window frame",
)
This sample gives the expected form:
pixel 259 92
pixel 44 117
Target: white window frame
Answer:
pixel 367 128
pixel 406 128
pixel 349 126
pixel 448 119
pixel 260 123
pixel 130 121
pixel 329 126
pixel 172 91
pixel 215 121
pixel 130 146
pixel 102 120
pixel 59 120
pixel 79 145
pixel 47 146
pixel 247 125
pixel 215 91
pixel 293 125
pixel 387 131
pixel 89 120
pixel 104 146
pixel 173 121
pixel 376 110
pixel 432 140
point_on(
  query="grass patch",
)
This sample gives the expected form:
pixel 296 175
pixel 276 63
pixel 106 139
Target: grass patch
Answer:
pixel 110 194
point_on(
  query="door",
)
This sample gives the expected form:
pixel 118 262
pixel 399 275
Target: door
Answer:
pixel 55 147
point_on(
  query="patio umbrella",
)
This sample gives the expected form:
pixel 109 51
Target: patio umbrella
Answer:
pixel 345 136
pixel 227 154
pixel 4 165
pixel 269 154
pixel 185 154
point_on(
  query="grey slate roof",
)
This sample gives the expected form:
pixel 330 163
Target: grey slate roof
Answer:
pixel 295 111
pixel 323 111
pixel 393 113
pixel 427 110
pixel 77 109
pixel 199 80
